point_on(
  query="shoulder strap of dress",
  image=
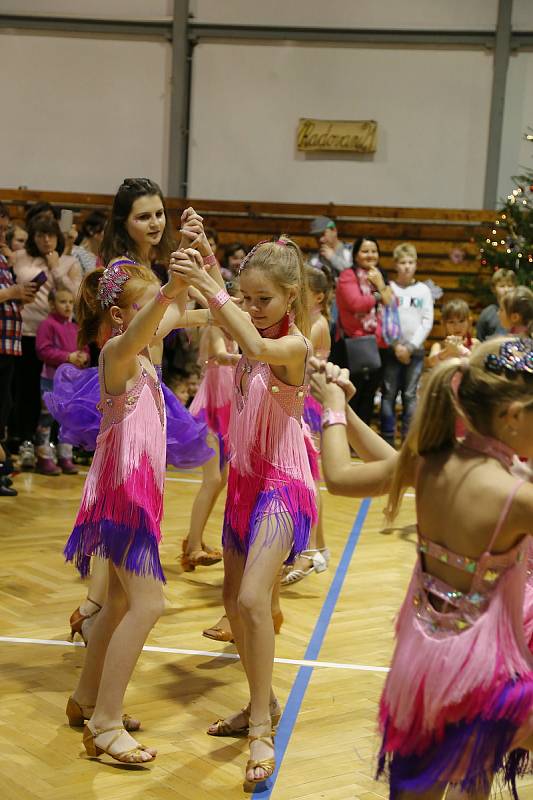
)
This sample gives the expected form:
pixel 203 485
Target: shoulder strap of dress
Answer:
pixel 505 511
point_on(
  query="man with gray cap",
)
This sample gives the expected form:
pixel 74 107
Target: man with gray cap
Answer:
pixel 332 252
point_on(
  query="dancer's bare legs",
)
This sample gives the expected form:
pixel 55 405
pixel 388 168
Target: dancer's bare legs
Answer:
pixel 248 586
pixel 133 606
pixel 213 481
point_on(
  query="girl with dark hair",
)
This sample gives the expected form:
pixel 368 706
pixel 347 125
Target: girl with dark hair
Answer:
pixel 138 211
pixel 233 256
pixel 89 241
pixel 361 294
pixel 44 260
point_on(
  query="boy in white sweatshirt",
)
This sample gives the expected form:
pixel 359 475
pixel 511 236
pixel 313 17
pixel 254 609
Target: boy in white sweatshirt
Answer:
pixel 404 359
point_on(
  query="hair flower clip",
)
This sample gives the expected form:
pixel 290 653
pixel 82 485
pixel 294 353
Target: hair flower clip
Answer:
pixel 110 285
pixel 515 357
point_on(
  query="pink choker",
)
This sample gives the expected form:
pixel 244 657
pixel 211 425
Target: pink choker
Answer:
pixel 489 447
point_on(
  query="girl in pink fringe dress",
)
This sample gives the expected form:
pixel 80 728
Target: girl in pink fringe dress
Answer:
pixel 211 406
pixel 271 501
pixel 457 708
pixel 319 291
pixel 122 504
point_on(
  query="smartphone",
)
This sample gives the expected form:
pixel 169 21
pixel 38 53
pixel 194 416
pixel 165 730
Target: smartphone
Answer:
pixel 41 278
pixel 66 220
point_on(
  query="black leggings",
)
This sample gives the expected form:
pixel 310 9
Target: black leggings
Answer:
pixel 7 372
pixel 27 392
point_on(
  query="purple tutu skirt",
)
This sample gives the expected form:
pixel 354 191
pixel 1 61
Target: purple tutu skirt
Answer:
pixel 73 404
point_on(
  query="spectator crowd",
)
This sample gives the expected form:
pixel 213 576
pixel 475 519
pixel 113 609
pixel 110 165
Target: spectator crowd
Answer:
pixel 379 326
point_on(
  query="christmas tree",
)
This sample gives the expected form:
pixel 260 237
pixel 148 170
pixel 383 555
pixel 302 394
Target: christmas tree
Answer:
pixel 510 242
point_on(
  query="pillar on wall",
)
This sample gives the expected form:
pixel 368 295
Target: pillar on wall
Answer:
pixel 179 101
pixel 502 50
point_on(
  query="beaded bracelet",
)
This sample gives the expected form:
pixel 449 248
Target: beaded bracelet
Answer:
pixel 210 261
pixel 162 298
pixel 219 299
pixel 330 417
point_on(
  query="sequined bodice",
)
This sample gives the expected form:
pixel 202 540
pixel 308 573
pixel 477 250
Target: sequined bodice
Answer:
pixel 116 407
pixel 443 608
pixel 290 398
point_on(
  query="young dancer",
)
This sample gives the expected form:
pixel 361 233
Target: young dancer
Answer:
pixel 457 706
pixel 121 508
pixel 271 495
pixel 319 292
pixel 211 406
pixel 458 341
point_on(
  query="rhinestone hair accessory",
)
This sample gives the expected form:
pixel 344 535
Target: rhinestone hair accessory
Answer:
pixel 110 285
pixel 515 358
pixel 254 249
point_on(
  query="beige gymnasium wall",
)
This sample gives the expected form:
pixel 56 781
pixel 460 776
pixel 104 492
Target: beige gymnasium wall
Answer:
pixel 84 111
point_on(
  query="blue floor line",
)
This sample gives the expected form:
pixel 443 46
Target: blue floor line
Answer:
pixel 299 688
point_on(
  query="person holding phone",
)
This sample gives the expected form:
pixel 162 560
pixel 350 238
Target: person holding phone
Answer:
pixel 44 264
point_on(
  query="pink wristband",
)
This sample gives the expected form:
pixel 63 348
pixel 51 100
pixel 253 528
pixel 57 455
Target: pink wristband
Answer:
pixel 210 261
pixel 330 417
pixel 220 299
pixel 163 299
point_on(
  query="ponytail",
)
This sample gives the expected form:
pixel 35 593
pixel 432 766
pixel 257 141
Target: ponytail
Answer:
pixel 432 430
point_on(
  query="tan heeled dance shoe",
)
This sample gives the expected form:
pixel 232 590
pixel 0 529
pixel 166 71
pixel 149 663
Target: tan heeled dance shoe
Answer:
pixel 131 756
pixel 268 765
pixel 78 715
pixel 77 619
pixel 198 558
pixel 220 634
pixel 225 728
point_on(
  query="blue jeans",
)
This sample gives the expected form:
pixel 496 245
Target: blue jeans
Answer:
pixel 403 378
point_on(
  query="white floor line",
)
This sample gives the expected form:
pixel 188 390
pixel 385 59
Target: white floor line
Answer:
pixel 207 653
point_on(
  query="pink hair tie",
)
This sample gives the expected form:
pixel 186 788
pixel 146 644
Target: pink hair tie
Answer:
pixel 218 300
pixel 163 299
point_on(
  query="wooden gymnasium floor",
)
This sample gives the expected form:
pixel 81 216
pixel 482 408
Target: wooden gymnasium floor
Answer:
pixel 329 727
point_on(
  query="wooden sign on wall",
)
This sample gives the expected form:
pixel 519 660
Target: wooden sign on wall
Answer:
pixel 346 136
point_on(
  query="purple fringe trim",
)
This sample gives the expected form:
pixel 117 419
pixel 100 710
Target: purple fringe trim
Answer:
pixel 222 450
pixel 313 414
pixel 488 742
pixel 276 505
pixel 136 550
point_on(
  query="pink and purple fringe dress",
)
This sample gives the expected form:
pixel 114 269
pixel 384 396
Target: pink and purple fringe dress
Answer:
pixel 211 404
pixel 122 503
pixel 459 695
pixel 270 474
pixel 74 404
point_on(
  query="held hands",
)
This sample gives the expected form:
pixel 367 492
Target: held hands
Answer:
pixel 328 381
pixel 188 265
pixel 192 232
pixel 79 359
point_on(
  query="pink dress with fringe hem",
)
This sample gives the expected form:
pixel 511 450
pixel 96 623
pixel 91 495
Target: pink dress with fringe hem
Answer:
pixel 271 474
pixel 212 402
pixel 459 695
pixel 122 503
